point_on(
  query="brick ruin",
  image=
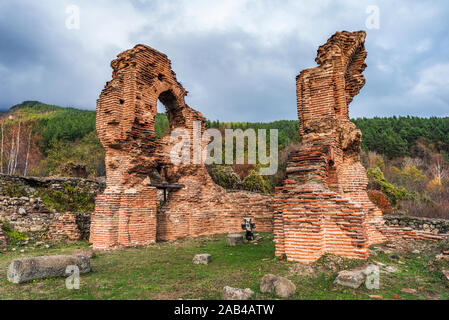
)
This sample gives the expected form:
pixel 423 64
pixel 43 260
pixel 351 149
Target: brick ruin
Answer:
pixel 323 205
pixel 128 213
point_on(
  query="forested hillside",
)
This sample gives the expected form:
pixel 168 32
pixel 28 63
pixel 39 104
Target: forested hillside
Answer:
pixel 40 139
pixel 406 157
pixel 398 136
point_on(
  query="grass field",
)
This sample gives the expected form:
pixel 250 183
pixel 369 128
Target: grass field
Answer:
pixel 166 271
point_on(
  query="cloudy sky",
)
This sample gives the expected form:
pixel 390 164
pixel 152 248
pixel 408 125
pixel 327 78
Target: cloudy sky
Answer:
pixel 237 58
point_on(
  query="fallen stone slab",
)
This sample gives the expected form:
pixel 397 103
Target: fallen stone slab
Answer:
pixel 350 278
pixel 203 258
pixel 355 278
pixel 234 239
pixel 27 269
pixel 281 286
pixel 230 293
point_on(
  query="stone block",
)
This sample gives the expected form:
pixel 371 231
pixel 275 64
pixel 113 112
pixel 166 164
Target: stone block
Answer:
pixel 203 258
pixel 283 287
pixel 230 293
pixel 234 239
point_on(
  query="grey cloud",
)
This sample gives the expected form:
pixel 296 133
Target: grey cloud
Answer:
pixel 239 66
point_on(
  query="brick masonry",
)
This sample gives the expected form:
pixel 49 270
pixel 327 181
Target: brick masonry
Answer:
pixel 128 212
pixel 323 205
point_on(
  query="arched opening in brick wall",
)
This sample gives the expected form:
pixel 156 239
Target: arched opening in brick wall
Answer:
pixel 171 106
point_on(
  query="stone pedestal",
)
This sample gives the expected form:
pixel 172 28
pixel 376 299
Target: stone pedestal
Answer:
pixel 234 239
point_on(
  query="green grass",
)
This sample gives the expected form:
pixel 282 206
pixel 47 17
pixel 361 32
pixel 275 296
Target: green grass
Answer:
pixel 166 271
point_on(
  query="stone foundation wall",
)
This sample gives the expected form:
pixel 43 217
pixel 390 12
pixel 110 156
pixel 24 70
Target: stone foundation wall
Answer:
pixel 29 214
pixel 26 214
pixel 436 226
pixel 30 184
pixel 3 239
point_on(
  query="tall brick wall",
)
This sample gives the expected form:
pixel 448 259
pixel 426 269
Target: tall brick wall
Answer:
pixel 323 205
pixel 126 214
pixel 203 208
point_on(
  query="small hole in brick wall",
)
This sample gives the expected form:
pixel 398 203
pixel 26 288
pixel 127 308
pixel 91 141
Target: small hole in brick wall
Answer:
pixel 160 76
pixel 122 101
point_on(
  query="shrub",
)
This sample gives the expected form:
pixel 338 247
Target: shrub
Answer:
pixel 380 200
pixel 255 182
pixel 13 190
pixel 224 176
pixel 394 193
pixel 14 237
pixel 72 199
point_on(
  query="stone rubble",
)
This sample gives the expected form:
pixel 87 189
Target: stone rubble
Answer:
pixel 230 293
pixel 283 287
pixel 355 278
pixel 203 258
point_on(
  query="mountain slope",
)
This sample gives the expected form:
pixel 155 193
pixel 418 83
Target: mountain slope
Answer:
pixel 56 140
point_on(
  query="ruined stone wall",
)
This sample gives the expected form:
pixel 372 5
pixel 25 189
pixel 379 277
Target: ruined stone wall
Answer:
pixel 30 184
pixel 25 214
pixel 436 226
pixel 127 214
pixel 28 213
pixel 3 239
pixel 323 205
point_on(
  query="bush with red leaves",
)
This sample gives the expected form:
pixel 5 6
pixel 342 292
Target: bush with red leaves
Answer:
pixel 380 200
